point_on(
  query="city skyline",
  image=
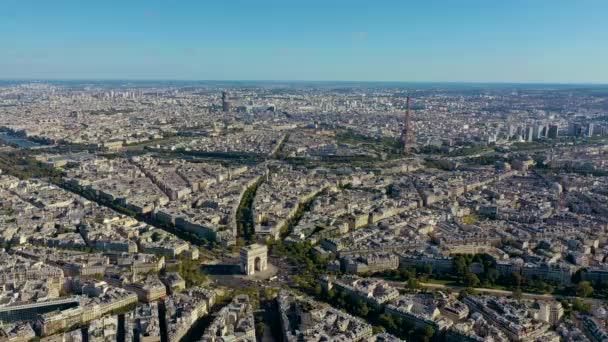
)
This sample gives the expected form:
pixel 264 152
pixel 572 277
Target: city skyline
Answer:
pixel 401 211
pixel 470 42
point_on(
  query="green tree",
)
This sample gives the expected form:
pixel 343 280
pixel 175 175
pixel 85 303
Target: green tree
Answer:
pixel 471 291
pixel 428 334
pixel 413 283
pixel 269 293
pixel 492 275
pixel 331 294
pixel 361 308
pixel 460 265
pixel 341 300
pixel 471 280
pixel 377 329
pixel 516 279
pixel 517 293
pixel 581 306
pixel 407 274
pixel 318 290
pixel 428 269
pixel 260 328
pixel 541 286
pixel 584 289
pixel 387 321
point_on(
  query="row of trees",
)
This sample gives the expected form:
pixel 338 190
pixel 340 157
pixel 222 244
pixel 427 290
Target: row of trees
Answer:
pixel 190 271
pixel 244 216
pixel 491 278
pixel 300 255
pixel 376 316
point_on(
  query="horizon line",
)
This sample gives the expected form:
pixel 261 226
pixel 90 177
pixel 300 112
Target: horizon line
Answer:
pixel 33 79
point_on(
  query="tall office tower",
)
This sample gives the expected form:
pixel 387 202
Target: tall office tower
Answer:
pixel 529 134
pixel 408 134
pixel 538 132
pixel 576 129
pixel 511 131
pixel 225 103
pixel 590 129
pixel 553 132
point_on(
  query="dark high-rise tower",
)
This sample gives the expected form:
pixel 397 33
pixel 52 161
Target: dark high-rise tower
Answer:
pixel 225 103
pixel 408 135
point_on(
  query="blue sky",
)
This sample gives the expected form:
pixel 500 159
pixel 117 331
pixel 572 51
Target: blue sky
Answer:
pixel 547 41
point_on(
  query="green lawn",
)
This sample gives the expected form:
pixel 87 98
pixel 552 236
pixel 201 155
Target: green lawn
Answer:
pixel 447 282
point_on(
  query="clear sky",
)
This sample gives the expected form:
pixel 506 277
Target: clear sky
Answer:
pixel 545 41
